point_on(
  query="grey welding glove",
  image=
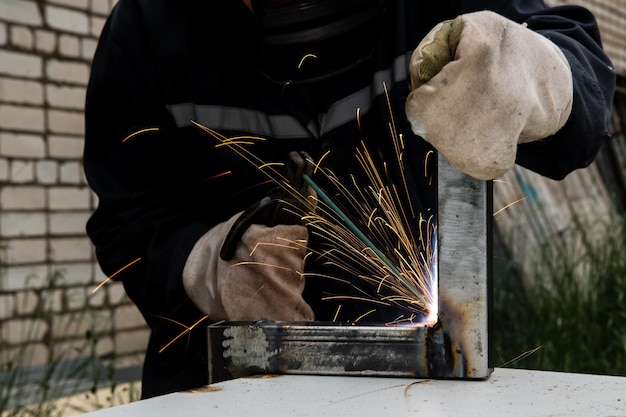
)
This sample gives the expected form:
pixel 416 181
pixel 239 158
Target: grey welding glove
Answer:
pixel 263 279
pixel 482 84
pixel 251 266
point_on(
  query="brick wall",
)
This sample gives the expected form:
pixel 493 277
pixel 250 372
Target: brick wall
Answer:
pixel 45 286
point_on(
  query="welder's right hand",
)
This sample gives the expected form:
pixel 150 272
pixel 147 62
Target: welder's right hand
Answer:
pixel 250 267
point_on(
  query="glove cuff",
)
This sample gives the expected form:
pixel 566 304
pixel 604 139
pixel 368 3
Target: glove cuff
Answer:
pixel 200 271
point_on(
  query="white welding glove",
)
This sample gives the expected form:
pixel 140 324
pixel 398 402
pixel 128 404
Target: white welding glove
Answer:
pixel 250 267
pixel 262 280
pixel 481 84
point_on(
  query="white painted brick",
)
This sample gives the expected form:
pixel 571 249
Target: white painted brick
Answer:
pixel 20 91
pixel 20 64
pixel 46 172
pixel 99 275
pixel 18 278
pixel 103 321
pixel 22 37
pixel 71 173
pixel 65 147
pixel 23 251
pixel 69 46
pixel 69 348
pixel 117 294
pixel 69 223
pixel 88 48
pixel 131 341
pixel 23 330
pixel 127 317
pixel 69 198
pixel 45 40
pixel 100 7
pixel 3 34
pixel 7 306
pixel 96 24
pixel 69 325
pixel 22 118
pixel 22 145
pixel 32 354
pixel 67 122
pixel 96 299
pixel 52 300
pixel 22 172
pixel 75 298
pixel 26 302
pixel 66 20
pixel 83 177
pixel 105 346
pixel 67 71
pixel 20 11
pixel 22 224
pixel 70 249
pixel 75 274
pixel 75 4
pixel 22 197
pixel 4 169
pixel 65 96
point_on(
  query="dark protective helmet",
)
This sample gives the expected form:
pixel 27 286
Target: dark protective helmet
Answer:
pixel 335 34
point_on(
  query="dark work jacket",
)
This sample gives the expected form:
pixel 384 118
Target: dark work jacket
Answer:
pixel 163 63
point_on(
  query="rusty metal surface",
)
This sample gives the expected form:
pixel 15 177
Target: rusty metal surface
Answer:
pixel 315 348
pixel 457 347
pixel 465 255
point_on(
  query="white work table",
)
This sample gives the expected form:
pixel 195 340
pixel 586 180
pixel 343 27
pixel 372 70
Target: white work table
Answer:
pixel 508 392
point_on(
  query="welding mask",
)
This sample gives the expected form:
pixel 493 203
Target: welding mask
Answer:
pixel 308 40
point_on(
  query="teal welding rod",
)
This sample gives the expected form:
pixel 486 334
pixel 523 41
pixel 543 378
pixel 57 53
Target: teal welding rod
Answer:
pixel 326 199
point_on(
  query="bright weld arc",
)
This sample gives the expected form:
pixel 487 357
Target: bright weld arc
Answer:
pixel 357 232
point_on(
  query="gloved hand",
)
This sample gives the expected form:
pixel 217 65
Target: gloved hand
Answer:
pixel 285 205
pixel 481 84
pixel 250 267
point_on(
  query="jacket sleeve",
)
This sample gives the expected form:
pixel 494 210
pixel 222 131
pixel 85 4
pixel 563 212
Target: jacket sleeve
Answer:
pixel 574 30
pixel 136 173
pixel 575 146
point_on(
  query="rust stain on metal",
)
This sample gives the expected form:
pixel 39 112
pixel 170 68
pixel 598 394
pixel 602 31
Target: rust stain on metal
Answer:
pixel 201 390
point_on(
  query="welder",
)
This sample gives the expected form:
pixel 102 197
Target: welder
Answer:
pixel 487 84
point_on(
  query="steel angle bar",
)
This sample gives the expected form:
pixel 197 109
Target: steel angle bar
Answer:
pixel 456 347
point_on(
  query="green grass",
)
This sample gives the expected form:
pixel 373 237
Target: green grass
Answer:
pixel 38 390
pixel 568 313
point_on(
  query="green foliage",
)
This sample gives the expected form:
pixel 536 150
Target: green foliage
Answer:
pixel 569 313
pixel 74 364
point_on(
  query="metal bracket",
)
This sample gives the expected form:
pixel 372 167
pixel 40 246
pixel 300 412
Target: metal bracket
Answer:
pixel 456 347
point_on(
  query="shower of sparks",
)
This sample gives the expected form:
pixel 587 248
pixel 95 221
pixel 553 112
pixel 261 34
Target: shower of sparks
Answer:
pixel 398 265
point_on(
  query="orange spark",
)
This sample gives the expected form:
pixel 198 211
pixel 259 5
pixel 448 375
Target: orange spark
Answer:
pixel 139 132
pixel 114 274
pixel 184 332
pixel 519 200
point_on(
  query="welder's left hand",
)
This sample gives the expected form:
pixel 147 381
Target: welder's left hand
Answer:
pixel 481 84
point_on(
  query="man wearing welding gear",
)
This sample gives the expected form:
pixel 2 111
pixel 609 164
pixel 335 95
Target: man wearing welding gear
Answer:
pixel 486 83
